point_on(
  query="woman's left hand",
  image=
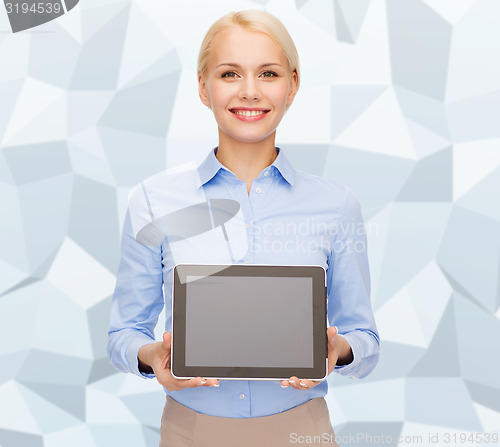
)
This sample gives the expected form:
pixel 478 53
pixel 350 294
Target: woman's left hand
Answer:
pixel 338 350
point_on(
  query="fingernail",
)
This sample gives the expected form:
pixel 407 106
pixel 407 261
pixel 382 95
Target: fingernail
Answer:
pixel 292 381
pixel 303 384
pixel 216 384
pixel 285 386
pixel 203 382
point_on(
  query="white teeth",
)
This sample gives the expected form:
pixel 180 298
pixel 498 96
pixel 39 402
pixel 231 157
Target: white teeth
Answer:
pixel 249 112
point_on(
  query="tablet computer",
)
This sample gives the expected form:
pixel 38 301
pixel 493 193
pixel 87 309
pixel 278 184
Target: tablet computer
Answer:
pixel 251 322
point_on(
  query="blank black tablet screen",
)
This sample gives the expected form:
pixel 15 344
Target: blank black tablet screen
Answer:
pixel 249 321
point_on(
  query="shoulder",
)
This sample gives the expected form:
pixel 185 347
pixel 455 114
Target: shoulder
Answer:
pixel 166 192
pixel 165 186
pixel 331 191
pixel 182 176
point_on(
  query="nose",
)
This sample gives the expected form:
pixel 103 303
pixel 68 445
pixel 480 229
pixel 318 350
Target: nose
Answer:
pixel 250 89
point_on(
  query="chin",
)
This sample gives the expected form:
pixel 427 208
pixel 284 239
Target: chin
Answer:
pixel 251 140
pixel 248 139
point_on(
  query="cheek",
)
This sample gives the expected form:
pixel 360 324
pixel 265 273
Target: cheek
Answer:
pixel 280 94
pixel 221 94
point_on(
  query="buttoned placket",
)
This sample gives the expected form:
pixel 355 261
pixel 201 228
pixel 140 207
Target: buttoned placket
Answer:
pixel 250 204
pixel 242 397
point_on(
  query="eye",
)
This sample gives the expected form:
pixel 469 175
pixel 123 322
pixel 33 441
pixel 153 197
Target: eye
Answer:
pixel 269 74
pixel 228 74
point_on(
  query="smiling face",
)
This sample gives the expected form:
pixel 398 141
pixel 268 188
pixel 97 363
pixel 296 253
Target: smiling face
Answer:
pixel 248 85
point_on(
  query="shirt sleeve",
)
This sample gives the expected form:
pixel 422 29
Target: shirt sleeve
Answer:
pixel 348 291
pixel 138 297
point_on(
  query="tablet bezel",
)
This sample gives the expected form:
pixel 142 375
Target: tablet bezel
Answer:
pixel 320 355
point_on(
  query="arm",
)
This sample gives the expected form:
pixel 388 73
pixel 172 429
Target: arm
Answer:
pixel 353 344
pixel 137 302
pixel 348 286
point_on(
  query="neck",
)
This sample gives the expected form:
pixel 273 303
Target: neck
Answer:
pixel 246 160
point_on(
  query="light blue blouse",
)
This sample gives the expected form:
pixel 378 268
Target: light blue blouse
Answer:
pixel 289 217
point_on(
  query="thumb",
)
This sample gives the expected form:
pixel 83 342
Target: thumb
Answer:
pixel 332 332
pixel 167 341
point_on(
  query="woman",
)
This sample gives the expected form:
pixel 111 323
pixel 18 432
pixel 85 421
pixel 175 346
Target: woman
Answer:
pixel 248 75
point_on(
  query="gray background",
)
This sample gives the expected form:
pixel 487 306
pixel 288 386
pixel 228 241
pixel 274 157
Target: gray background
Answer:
pixel 400 100
pixel 241 321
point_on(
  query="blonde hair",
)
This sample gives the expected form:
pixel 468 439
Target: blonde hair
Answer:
pixel 253 20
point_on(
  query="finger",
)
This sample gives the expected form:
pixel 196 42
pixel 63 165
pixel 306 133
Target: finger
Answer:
pixel 201 381
pixel 294 382
pixel 285 384
pixel 167 340
pixel 331 333
pixel 166 379
pixel 213 383
pixel 189 383
pixel 165 363
pixel 306 384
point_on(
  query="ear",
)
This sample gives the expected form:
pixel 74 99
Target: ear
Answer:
pixel 202 91
pixel 293 89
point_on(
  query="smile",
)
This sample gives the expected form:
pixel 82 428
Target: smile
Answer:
pixel 249 115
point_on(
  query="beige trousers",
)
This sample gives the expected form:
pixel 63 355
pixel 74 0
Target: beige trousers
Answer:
pixel 307 424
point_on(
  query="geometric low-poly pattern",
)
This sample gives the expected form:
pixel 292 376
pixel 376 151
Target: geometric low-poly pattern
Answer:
pixel 399 100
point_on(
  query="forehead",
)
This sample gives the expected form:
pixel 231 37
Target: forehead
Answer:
pixel 245 47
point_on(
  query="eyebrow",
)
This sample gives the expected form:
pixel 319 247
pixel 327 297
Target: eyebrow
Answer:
pixel 231 64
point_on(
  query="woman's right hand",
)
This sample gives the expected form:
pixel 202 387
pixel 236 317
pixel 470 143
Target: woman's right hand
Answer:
pixel 157 355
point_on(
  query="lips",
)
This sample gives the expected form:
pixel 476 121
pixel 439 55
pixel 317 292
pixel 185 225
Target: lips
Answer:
pixel 249 114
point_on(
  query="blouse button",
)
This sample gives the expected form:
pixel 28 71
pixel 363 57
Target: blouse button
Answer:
pixel 242 396
pixel 258 190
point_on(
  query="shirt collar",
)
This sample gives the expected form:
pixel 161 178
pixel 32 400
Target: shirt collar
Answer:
pixel 211 166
